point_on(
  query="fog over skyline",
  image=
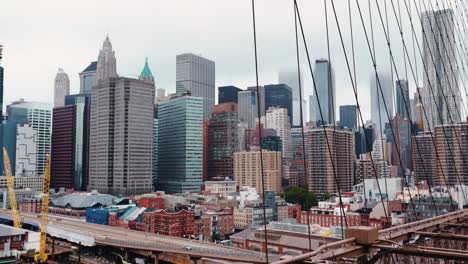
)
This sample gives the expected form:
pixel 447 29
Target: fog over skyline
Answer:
pixel 41 36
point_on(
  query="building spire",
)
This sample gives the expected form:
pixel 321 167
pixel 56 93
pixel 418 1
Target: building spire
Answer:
pixel 146 74
pixel 106 65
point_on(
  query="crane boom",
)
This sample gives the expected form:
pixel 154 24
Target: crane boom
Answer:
pixel 42 256
pixel 17 221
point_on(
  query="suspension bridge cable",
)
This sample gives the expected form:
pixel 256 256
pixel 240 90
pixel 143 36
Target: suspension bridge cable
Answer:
pixel 260 129
pixel 384 103
pixel 320 111
pixel 353 83
pixel 301 117
pixel 419 94
pixel 425 37
pixel 331 91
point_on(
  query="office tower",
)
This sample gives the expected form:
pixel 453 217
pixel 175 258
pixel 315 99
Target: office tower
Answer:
pixel 382 84
pixel 247 170
pixel 402 99
pixel 37 115
pixel 62 163
pixel 321 163
pixel 349 116
pixel 326 91
pixel 121 130
pixel 291 79
pixel 279 95
pixel 245 136
pixel 314 115
pixel 452 147
pixel 438 34
pixel 278 119
pixel 228 94
pixel 260 95
pixel 424 161
pixel 247 108
pixel 106 66
pixel 26 148
pixel 180 144
pixel 155 151
pixel 61 88
pixel 402 143
pixel 222 141
pixel 196 75
pixel 87 77
pixel 364 139
pixel 78 176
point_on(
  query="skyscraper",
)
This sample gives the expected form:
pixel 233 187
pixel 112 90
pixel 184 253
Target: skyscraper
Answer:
pixel 378 103
pixel 38 116
pixel 348 116
pixel 87 77
pixel 279 95
pixel 291 78
pixel 402 130
pixel 403 104
pixel 228 94
pixel 222 141
pixel 26 150
pixel 442 79
pixel 321 164
pixel 180 150
pixel 61 88
pixel 248 111
pixel 196 75
pixel 121 130
pixel 106 66
pixel 247 170
pixel 1 88
pixel 424 164
pixel 325 85
pixel 62 152
pixel 278 119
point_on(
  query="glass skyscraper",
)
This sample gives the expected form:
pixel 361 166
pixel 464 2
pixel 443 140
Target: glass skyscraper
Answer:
pixel 403 103
pixel 348 116
pixel 228 94
pixel 180 145
pixel 325 85
pixel 279 95
pixel 87 78
pixel 37 115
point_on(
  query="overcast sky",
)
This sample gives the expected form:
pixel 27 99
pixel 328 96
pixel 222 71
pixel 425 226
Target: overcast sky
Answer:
pixel 40 36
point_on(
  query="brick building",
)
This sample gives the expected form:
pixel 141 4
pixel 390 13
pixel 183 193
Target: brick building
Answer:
pixel 162 222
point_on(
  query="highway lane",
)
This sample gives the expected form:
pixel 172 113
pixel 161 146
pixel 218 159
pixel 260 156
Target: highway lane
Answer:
pixel 104 234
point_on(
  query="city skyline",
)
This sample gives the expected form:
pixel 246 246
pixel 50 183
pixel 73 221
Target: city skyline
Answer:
pixel 234 63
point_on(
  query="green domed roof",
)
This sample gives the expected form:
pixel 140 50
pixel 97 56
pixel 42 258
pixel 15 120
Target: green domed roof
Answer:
pixel 146 73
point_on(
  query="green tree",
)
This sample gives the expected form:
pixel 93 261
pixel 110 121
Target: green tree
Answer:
pixel 300 195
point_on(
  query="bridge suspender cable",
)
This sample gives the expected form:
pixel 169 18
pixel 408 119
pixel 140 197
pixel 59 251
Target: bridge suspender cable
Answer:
pixel 260 130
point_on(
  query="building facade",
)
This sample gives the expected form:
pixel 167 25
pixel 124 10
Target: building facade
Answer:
pixel 278 119
pixel 222 141
pixel 61 88
pixel 228 94
pixel 325 87
pixel 325 161
pixel 180 144
pixel 442 99
pixel 26 150
pixel 403 106
pixel 62 152
pixel 349 117
pixel 280 96
pixel 247 171
pixel 379 104
pixel 87 78
pixel 38 116
pixel 196 75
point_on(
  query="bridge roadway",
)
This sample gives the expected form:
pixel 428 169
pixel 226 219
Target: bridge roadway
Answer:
pixel 131 239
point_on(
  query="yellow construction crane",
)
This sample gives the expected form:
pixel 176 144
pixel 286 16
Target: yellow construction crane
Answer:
pixel 42 256
pixel 17 220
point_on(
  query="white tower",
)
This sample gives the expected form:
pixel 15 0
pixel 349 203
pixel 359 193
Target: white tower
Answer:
pixel 61 88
